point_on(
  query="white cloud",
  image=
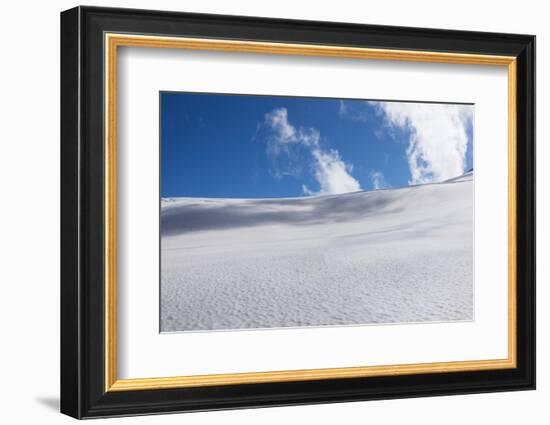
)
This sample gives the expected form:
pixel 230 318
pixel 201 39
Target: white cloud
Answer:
pixel 355 111
pixel 438 140
pixel 342 108
pixel 378 180
pixel 307 191
pixel 278 121
pixel 285 133
pixel 330 171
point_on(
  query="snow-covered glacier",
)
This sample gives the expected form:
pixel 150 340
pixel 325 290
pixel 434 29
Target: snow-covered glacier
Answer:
pixel 386 256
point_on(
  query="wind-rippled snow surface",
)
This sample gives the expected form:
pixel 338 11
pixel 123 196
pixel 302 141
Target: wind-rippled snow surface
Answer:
pixel 386 256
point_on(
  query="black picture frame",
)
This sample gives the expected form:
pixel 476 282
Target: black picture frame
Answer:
pixel 83 392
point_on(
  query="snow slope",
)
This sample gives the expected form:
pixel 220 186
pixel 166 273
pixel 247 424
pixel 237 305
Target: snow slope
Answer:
pixel 386 256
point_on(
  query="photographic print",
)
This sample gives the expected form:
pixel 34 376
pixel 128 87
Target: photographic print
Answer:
pixel 280 212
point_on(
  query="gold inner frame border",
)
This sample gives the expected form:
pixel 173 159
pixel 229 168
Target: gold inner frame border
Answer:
pixel 111 43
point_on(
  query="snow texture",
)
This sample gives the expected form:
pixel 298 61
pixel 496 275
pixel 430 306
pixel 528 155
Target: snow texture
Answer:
pixel 385 256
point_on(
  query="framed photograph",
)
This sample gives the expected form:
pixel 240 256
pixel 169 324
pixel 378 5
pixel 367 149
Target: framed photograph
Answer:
pixel 261 212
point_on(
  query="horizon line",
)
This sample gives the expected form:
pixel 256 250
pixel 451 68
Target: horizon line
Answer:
pixel 470 171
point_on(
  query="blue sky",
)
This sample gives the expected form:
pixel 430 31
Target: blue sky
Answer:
pixel 244 146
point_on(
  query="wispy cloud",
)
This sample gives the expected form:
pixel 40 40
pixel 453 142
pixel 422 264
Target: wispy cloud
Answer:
pixel 329 170
pixel 332 173
pixel 284 143
pixel 285 133
pixel 353 110
pixel 438 137
pixel 378 180
pixel 342 108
